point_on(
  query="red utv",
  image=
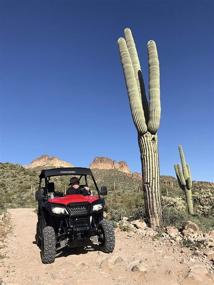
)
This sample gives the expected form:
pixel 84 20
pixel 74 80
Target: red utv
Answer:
pixel 70 220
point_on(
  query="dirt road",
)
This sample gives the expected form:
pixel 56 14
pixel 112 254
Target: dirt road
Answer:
pixel 136 260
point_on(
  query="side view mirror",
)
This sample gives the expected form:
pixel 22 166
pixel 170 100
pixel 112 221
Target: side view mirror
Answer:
pixel 103 190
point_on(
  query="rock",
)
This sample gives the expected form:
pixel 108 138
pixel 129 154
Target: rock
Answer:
pixel 147 232
pixel 124 225
pixel 108 163
pixel 141 233
pixel 117 260
pixel 150 232
pixel 125 219
pixel 110 262
pixel 172 232
pixel 209 237
pixel 209 243
pixel 182 261
pixel 186 233
pixel 4 216
pixel 172 241
pixel 196 239
pixel 197 275
pixel 139 224
pixel 167 181
pixel 211 234
pixel 209 253
pixel 45 161
pixel 164 236
pixel 137 175
pixel 191 227
pixel 123 167
pixel 137 266
pixel 131 234
pixel 197 253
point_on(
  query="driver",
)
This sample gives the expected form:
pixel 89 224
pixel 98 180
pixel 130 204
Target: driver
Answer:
pixel 76 189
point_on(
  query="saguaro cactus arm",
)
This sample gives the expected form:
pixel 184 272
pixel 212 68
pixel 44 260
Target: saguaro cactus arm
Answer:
pixel 179 174
pixel 183 174
pixel 183 162
pixel 189 179
pixel 132 52
pixel 132 87
pixel 154 88
pixel 137 70
pixel 150 118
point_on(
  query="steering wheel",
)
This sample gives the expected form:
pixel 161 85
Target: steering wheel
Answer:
pixel 82 187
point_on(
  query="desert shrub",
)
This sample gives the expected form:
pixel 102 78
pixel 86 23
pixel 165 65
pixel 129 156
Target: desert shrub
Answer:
pixel 125 195
pixel 204 201
pixel 124 204
pixel 172 216
pixel 204 223
pixel 178 203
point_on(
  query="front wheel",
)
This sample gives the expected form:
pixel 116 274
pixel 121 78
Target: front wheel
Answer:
pixel 106 236
pixel 48 251
pixel 39 230
pixel 37 239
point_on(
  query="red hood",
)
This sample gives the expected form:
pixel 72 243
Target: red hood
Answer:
pixel 74 198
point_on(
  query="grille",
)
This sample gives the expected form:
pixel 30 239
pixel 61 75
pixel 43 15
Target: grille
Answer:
pixel 81 224
pixel 78 210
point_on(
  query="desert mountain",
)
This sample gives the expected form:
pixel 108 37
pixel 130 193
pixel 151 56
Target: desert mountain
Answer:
pixel 46 161
pixel 108 163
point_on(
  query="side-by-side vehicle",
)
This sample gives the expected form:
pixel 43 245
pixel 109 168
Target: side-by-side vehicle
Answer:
pixel 71 220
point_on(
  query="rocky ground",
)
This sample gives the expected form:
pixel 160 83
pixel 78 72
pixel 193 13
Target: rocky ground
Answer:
pixel 141 256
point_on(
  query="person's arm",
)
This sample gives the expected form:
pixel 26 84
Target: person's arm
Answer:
pixel 86 191
pixel 69 191
pixel 89 190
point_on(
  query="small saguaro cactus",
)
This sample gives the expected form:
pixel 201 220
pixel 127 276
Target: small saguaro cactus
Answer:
pixel 146 116
pixel 184 179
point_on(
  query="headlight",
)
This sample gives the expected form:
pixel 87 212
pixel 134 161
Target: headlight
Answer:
pixel 59 210
pixel 97 207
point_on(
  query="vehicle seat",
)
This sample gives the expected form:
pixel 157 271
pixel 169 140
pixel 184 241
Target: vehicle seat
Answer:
pixel 51 187
pixel 51 190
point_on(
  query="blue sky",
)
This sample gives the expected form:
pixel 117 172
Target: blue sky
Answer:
pixel 62 88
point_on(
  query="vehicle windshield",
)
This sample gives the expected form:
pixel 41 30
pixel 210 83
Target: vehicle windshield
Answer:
pixel 61 183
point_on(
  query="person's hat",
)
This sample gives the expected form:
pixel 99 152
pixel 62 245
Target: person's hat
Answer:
pixel 74 180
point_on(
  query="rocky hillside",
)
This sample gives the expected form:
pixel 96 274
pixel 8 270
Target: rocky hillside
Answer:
pixel 125 195
pixel 108 163
pixel 46 161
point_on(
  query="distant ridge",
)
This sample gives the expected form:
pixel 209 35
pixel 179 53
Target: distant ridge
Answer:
pixel 108 163
pixel 46 161
pixel 99 162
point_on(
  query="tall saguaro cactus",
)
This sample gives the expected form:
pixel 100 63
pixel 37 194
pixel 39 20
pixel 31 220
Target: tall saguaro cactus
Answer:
pixel 183 174
pixel 146 117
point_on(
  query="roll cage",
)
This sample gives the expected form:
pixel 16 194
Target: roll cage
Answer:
pixel 82 172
